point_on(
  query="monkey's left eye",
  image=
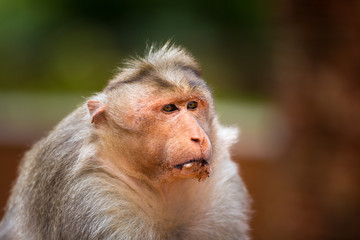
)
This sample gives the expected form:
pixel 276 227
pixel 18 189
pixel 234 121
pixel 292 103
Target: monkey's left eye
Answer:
pixel 192 105
pixel 169 108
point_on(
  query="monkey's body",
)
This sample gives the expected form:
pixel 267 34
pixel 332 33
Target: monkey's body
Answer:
pixel 72 187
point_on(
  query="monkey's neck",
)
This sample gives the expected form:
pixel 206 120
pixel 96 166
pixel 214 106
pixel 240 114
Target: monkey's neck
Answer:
pixel 174 198
pixel 169 197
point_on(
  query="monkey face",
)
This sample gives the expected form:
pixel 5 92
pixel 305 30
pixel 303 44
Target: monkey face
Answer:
pixel 187 147
pixel 161 134
pixel 174 136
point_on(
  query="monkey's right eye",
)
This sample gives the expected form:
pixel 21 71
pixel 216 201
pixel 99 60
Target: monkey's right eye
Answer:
pixel 169 108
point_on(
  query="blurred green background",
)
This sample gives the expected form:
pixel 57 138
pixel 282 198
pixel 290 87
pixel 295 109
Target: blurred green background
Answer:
pixel 76 45
pixel 285 71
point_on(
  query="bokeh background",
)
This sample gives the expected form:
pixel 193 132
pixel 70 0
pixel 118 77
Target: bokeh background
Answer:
pixel 287 72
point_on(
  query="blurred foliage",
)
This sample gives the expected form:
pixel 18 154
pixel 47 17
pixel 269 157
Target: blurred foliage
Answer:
pixel 77 45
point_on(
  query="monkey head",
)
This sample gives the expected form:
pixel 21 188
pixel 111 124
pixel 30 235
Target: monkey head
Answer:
pixel 155 119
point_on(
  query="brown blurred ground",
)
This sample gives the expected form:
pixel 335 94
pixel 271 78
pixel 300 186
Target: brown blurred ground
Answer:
pixel 10 157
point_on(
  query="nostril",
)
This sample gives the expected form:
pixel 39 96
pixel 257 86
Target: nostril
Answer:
pixel 195 140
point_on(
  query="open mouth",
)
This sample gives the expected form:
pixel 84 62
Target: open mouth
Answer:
pixel 195 168
pixel 202 162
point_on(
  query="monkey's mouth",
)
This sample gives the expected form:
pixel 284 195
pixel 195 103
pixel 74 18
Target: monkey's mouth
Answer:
pixel 190 163
pixel 195 168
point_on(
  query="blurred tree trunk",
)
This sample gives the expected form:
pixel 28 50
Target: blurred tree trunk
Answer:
pixel 318 80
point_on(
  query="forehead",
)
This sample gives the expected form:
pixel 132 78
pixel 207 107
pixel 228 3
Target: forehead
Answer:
pixel 173 80
pixel 158 92
pixel 180 85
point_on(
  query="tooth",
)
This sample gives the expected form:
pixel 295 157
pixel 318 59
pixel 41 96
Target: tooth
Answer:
pixel 188 165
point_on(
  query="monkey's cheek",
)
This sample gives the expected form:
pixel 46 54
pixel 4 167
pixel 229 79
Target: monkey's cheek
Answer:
pixel 196 170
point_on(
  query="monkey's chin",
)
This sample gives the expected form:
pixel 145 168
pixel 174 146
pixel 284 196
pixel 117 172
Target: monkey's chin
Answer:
pixel 195 168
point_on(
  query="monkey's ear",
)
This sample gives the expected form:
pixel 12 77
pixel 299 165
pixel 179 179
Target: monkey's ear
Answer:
pixel 97 111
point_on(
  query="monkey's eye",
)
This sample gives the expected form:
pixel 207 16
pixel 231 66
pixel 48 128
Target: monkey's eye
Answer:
pixel 192 105
pixel 169 108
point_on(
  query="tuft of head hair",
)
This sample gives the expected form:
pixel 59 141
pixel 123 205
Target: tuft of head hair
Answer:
pixel 170 54
pixel 165 57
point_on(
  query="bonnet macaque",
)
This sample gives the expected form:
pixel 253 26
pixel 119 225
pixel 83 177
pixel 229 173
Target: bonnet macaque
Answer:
pixel 144 159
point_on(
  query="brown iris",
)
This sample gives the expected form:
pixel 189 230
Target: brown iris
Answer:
pixel 169 108
pixel 192 105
